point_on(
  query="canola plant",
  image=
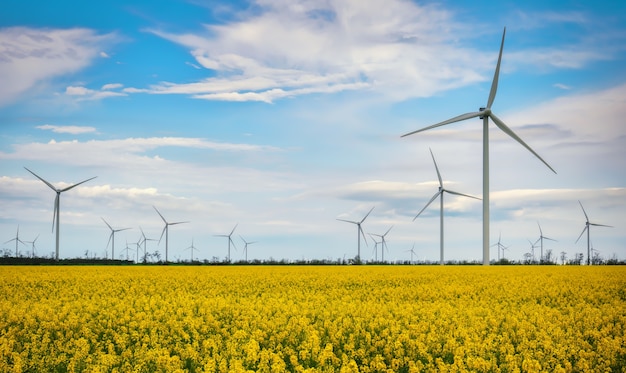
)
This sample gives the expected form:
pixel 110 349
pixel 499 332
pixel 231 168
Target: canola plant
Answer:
pixel 313 319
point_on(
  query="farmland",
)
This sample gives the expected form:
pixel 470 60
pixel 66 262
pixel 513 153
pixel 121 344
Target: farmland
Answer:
pixel 315 319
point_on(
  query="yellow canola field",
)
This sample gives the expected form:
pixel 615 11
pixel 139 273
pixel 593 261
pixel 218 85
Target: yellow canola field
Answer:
pixel 313 319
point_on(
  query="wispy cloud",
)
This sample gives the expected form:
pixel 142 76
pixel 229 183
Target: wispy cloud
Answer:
pixel 74 130
pixel 286 50
pixel 32 56
pixel 85 94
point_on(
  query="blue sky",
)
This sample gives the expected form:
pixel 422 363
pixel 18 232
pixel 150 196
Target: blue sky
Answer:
pixel 283 116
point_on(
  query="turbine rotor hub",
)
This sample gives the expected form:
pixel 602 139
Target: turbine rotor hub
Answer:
pixel 485 112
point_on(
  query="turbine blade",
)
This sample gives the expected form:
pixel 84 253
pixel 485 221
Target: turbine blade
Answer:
pixel 460 194
pixel 548 238
pixel 105 222
pixel 349 221
pixel 452 120
pixel 233 242
pixel 54 213
pixel 436 168
pixel 162 232
pixel 387 231
pixel 155 209
pixel 233 231
pixel 77 184
pixel 581 233
pixel 540 231
pixel 363 234
pixel 428 204
pixel 178 222
pixel 584 212
pixel 368 214
pixel 109 241
pixel 510 132
pixel 40 178
pixel 494 83
pixel 601 225
pixel 123 229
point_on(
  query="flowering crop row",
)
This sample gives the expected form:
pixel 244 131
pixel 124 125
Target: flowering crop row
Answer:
pixel 312 319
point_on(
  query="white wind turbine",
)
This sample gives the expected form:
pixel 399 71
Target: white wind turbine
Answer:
pixel 32 254
pixel 230 239
pixel 587 228
pixel 540 239
pixel 532 248
pixel 375 250
pixel 500 246
pixel 191 248
pixel 383 243
pixel 440 195
pixel 112 237
pixel 17 241
pixel 166 231
pixel 145 240
pixel 56 215
pixel 484 114
pixel 245 247
pixel 359 232
pixel 412 251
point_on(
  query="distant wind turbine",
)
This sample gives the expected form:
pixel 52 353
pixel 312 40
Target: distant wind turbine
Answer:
pixel 375 250
pixel 412 251
pixel 56 215
pixel 192 248
pixel 484 114
pixel 540 239
pixel 440 195
pixel 144 241
pixel 587 228
pixel 500 246
pixel 383 242
pixel 245 247
pixel 17 241
pixel 112 237
pixel 230 239
pixel 32 255
pixel 359 232
pixel 532 248
pixel 166 231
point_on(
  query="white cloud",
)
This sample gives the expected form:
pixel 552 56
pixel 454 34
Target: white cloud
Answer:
pixel 74 130
pixel 112 86
pixel 300 48
pixel 85 94
pixel 32 56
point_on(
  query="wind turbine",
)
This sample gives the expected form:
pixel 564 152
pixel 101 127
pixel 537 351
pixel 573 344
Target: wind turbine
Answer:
pixel 245 247
pixel 17 241
pixel 587 228
pixel 440 195
pixel 375 246
pixel 412 251
pixel 359 232
pixel 230 239
pixel 383 243
pixel 500 246
pixel 540 239
pixel 112 237
pixel 192 247
pixel 145 239
pixel 56 215
pixel 33 246
pixel 532 248
pixel 166 230
pixel 484 114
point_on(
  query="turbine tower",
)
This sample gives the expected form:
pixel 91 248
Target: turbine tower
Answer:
pixel 112 237
pixel 500 246
pixel 540 239
pixel 56 215
pixel 17 241
pixel 32 255
pixel 192 247
pixel 587 228
pixel 166 231
pixel 230 239
pixel 383 243
pixel 245 247
pixel 359 233
pixel 440 195
pixel 484 114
